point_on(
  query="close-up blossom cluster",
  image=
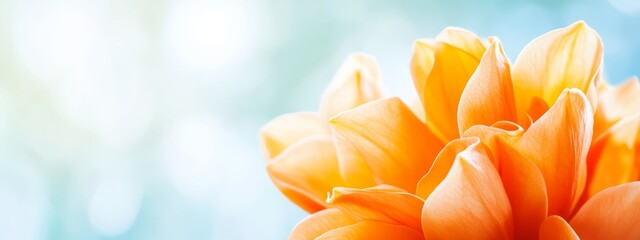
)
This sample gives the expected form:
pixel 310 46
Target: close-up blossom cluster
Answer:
pixel 537 148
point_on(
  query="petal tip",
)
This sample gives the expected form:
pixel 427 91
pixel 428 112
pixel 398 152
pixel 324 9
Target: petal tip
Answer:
pixel 335 193
pixel 335 120
pixel 580 24
pixel 497 49
pixel 576 96
pixel 582 27
pixel 451 30
pixel 419 45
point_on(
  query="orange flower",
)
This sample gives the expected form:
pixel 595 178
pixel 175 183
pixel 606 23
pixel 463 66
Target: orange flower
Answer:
pixel 541 149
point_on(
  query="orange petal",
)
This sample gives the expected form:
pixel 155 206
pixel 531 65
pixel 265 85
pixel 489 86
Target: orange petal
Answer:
pixel 612 159
pixel 504 132
pixel 357 82
pixel 288 129
pixel 523 181
pixel 440 72
pixel 558 144
pixel 569 57
pixel 319 223
pixel 615 103
pixel 537 108
pixel 443 162
pixel 422 63
pixel 354 168
pixel 396 145
pixel 462 39
pixel 525 186
pixel 488 96
pixel 382 203
pixel 555 227
pixel 610 214
pixel 470 203
pixel 372 230
pixel 306 172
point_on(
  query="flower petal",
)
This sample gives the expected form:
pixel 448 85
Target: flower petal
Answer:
pixel 488 96
pixel 558 144
pixel 569 57
pixel 610 214
pixel 382 203
pixel 357 82
pixel 372 230
pixel 396 145
pixel 319 223
pixel 470 203
pixel 422 63
pixel 525 186
pixel 306 172
pixel 440 72
pixel 288 129
pixel 613 158
pixel 354 169
pixel 615 103
pixel 555 227
pixel 443 162
pixel 463 39
pixel 500 133
pixel 523 181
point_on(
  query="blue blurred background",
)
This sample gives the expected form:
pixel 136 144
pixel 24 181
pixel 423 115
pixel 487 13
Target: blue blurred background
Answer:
pixel 138 119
